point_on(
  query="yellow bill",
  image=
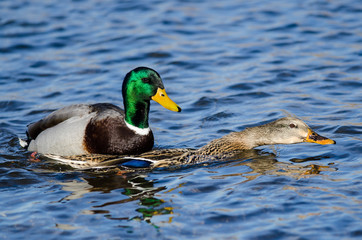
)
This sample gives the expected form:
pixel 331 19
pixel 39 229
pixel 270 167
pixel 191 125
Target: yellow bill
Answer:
pixel 162 98
pixel 313 137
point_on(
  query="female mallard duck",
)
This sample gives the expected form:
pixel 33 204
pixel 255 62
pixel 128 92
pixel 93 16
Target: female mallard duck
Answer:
pixel 286 130
pixel 103 128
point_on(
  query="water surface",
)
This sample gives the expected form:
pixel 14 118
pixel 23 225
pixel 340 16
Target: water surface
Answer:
pixel 229 65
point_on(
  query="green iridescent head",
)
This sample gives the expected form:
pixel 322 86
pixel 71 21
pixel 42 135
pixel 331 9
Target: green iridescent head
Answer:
pixel 140 86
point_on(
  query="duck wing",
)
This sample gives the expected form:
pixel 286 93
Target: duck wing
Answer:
pixel 56 117
pixel 151 159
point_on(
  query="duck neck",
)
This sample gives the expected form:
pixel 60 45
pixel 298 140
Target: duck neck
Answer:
pixel 255 136
pixel 136 112
pixel 237 141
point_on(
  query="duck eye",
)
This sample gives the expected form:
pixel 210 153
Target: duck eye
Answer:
pixel 292 125
pixel 145 80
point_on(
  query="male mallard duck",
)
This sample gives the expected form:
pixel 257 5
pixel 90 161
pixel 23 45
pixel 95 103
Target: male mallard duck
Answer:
pixel 103 128
pixel 286 130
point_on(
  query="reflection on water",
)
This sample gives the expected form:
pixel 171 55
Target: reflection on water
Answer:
pixel 136 188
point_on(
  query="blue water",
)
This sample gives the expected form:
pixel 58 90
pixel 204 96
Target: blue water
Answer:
pixel 229 65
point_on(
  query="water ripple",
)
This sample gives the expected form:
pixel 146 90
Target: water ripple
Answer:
pixel 229 65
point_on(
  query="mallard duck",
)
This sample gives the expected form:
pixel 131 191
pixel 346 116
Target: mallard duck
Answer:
pixel 103 128
pixel 288 130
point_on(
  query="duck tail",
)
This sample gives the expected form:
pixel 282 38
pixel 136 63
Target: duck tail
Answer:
pixel 23 143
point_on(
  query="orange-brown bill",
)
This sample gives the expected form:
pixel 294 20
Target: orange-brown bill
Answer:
pixel 314 137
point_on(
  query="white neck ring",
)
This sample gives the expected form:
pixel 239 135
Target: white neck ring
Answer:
pixel 137 130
